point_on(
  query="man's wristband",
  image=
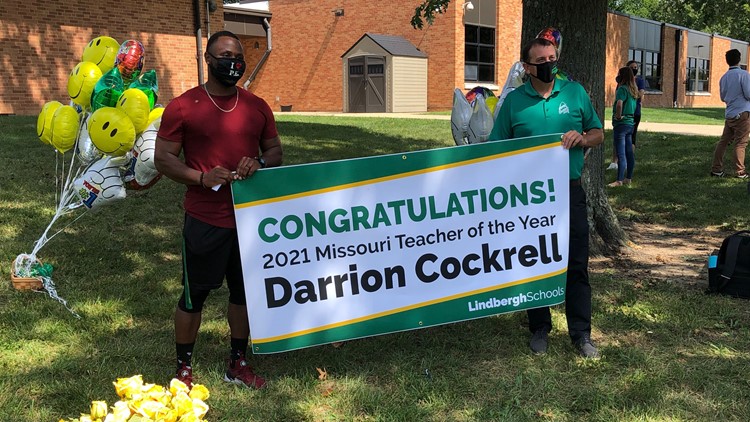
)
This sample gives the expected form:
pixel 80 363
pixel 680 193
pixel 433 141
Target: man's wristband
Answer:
pixel 261 161
pixel 201 180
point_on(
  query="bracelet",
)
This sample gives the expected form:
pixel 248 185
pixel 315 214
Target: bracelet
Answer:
pixel 201 180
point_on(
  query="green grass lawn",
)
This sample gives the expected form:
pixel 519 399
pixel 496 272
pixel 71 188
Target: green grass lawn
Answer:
pixel 669 351
pixel 691 116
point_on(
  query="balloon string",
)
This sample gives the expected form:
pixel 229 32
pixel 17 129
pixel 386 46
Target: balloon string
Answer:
pixel 58 179
pixel 23 268
pixel 49 287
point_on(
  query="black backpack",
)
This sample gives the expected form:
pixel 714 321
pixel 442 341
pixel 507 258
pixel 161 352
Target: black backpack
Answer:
pixel 729 267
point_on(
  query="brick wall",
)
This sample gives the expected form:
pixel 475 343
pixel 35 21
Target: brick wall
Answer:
pixel 41 42
pixel 618 42
pixel 305 67
pixel 508 43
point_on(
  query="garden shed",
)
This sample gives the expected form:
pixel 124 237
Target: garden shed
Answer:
pixel 384 74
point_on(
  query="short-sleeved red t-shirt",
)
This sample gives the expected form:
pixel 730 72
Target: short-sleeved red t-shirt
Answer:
pixel 210 138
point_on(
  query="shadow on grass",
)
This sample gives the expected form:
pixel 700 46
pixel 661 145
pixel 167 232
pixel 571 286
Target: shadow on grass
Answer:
pixel 120 269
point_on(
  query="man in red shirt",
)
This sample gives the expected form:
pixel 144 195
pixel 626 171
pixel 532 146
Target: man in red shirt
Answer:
pixel 225 133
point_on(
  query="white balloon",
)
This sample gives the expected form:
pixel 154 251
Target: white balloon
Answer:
pixel 513 81
pixel 143 154
pixel 87 152
pixel 460 116
pixel 100 183
pixel 481 122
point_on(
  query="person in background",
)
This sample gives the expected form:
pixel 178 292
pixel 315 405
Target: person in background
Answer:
pixel 224 134
pixel 622 125
pixel 526 112
pixel 641 84
pixel 734 88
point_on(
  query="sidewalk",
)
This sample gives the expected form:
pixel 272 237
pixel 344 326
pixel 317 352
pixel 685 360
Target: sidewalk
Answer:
pixel 682 129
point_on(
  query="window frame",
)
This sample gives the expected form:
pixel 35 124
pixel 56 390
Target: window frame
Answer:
pixel 691 66
pixel 650 71
pixel 478 47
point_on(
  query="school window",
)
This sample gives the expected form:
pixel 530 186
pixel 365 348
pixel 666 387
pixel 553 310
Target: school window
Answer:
pixel 479 59
pixel 645 49
pixel 479 47
pixel 742 47
pixel 698 62
pixel 697 71
pixel 648 67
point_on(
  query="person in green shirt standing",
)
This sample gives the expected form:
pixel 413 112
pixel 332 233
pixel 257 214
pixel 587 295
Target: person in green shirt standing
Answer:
pixel 623 125
pixel 546 105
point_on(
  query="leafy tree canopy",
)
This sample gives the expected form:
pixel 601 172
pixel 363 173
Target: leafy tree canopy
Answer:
pixel 730 18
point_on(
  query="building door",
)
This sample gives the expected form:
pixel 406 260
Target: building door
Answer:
pixel 367 84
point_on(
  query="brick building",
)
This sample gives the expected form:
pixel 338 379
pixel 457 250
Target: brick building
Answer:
pixel 308 66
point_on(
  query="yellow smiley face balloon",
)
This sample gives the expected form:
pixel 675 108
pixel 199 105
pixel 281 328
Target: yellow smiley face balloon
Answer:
pixel 82 81
pixel 64 128
pixel 135 104
pixel 111 131
pixel 102 52
pixel 44 121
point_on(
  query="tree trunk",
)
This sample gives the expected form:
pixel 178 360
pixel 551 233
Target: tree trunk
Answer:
pixel 583 25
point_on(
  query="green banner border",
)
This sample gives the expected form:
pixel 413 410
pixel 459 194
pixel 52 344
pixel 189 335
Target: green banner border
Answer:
pixel 314 176
pixel 455 310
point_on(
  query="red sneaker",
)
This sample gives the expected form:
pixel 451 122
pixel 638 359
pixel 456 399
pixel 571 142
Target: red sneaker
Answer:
pixel 239 372
pixel 185 374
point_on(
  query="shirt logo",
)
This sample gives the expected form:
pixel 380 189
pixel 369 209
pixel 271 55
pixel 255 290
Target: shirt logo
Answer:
pixel 563 109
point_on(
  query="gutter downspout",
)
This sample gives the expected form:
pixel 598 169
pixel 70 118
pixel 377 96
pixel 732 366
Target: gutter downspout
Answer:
pixel 677 39
pixel 198 39
pixel 267 27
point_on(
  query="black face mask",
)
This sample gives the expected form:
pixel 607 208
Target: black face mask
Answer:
pixel 227 71
pixel 546 71
pixel 635 71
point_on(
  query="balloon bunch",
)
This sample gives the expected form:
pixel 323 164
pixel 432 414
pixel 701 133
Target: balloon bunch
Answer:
pixel 150 402
pixel 473 115
pixel 110 124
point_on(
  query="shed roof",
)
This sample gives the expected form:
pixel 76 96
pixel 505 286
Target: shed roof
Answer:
pixel 392 44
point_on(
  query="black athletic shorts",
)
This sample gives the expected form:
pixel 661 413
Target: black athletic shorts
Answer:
pixel 209 255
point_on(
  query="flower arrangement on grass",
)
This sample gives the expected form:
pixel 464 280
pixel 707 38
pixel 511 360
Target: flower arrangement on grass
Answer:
pixel 141 402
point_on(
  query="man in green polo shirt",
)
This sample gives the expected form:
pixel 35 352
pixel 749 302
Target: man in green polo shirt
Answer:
pixel 545 105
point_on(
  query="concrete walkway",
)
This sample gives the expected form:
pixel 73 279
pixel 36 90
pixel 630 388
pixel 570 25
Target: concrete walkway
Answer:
pixel 682 129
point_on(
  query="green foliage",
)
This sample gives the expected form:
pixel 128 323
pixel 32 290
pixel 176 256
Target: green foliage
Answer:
pixel 729 18
pixel 669 351
pixel 427 11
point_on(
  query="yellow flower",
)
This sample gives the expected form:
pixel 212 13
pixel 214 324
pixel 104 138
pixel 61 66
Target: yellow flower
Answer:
pixel 199 408
pixel 85 418
pixel 122 411
pixel 182 403
pixel 199 391
pixel 98 409
pixel 158 393
pixel 135 402
pixel 126 387
pixel 149 408
pixel 175 386
pixel 166 414
pixel 189 417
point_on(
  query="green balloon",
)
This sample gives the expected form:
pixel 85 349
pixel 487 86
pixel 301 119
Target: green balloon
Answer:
pixel 148 84
pixel 107 90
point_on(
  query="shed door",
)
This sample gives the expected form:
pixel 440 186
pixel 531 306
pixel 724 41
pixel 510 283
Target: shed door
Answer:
pixel 367 84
